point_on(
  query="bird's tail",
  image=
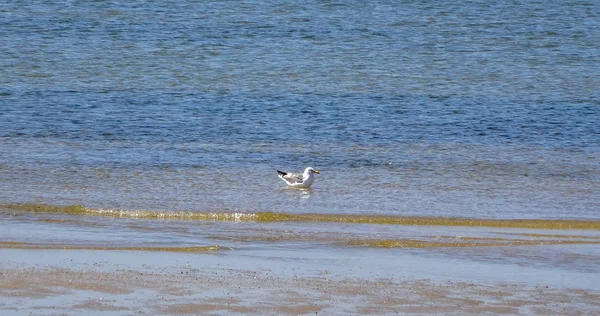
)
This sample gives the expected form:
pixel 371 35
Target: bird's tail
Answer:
pixel 281 173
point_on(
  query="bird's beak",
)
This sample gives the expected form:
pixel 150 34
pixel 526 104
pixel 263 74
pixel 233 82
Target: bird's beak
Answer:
pixel 317 171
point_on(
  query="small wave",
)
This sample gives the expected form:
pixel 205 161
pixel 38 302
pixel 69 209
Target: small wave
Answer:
pixel 141 214
pixel 267 217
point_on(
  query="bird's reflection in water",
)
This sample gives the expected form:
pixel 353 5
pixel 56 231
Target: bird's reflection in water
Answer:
pixel 304 193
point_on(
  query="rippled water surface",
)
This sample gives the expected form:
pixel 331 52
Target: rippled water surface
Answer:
pixel 474 109
pixel 484 110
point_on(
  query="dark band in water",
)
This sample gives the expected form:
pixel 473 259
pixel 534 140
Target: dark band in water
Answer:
pixel 41 246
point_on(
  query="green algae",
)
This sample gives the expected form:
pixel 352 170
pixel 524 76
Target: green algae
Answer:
pixel 431 221
pixel 46 208
pixel 269 217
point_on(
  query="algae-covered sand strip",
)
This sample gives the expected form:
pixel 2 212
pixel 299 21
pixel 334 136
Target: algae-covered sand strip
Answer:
pixel 307 217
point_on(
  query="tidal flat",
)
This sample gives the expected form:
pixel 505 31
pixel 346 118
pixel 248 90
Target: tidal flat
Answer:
pixel 87 282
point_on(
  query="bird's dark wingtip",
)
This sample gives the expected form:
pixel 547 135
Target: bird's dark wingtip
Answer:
pixel 281 173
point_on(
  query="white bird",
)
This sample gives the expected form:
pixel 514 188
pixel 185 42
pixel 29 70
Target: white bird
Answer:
pixel 299 180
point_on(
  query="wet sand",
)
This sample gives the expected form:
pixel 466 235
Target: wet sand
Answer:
pixel 72 285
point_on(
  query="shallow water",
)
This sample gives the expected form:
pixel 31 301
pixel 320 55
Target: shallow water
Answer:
pixel 564 254
pixel 473 110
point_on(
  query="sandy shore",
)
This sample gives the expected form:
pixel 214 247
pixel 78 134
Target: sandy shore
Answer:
pixel 101 288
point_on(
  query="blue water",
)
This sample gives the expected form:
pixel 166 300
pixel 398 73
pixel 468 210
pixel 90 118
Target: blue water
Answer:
pixel 445 108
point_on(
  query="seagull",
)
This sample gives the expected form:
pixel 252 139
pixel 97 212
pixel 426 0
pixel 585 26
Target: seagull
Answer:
pixel 299 180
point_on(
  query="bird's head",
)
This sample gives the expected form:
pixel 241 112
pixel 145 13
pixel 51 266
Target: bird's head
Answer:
pixel 311 170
